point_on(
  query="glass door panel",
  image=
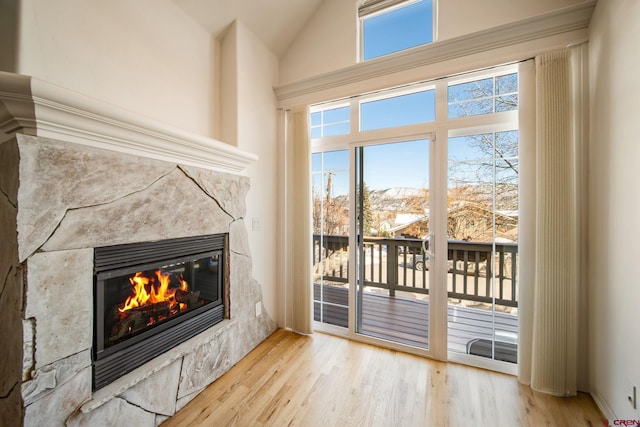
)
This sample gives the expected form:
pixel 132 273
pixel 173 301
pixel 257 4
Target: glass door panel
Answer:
pixel 482 228
pixel 392 205
pixel 330 192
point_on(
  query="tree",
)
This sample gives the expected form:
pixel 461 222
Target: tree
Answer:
pixel 330 214
pixel 470 215
pixel 367 214
pixel 484 96
pixel 483 192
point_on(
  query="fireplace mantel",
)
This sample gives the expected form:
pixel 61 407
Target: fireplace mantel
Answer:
pixel 35 107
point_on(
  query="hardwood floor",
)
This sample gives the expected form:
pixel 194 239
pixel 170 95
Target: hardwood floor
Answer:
pixel 322 380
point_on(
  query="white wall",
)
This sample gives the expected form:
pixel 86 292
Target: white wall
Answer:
pixel 229 86
pixel 460 17
pixel 249 92
pixel 329 40
pixel 614 206
pixel 146 56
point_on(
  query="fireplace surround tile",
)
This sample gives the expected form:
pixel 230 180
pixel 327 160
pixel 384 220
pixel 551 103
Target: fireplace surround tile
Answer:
pixel 202 366
pixel 56 178
pixel 157 394
pixel 116 412
pixel 63 204
pixel 44 381
pixel 60 301
pixel 55 408
pixel 28 350
pixel 147 214
pixel 127 381
pixel 230 193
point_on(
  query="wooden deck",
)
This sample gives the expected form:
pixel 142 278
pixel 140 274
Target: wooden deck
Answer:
pixel 406 320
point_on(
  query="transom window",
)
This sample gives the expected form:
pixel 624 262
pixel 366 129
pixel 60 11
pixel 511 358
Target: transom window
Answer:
pixel 398 110
pixel 473 102
pixel 390 26
pixel 331 121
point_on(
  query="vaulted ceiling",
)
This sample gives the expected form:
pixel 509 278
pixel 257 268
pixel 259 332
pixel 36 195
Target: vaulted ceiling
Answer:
pixel 276 22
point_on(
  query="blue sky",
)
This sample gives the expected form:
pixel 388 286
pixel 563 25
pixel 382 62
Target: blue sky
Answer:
pixel 417 107
pixel 402 164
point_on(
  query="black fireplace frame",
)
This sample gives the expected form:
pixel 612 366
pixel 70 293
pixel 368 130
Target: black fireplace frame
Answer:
pixel 117 360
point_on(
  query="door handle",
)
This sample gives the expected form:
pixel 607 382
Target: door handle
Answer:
pixel 429 252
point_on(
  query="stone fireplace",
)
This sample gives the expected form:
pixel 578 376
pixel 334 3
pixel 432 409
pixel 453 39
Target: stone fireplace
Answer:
pixel 78 176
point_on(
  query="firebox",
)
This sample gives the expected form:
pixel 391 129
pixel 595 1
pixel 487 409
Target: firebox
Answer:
pixel 151 296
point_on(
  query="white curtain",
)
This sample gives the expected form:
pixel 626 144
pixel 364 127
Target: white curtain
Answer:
pixel 297 222
pixel 549 226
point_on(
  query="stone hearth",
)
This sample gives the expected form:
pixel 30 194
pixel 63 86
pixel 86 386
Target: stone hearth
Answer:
pixel 59 200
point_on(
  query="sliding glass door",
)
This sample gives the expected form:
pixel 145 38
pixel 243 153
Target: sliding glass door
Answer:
pixel 330 193
pixel 482 222
pixel 392 210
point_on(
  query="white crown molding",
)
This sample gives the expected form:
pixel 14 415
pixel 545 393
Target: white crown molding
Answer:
pixel 34 107
pixel 561 21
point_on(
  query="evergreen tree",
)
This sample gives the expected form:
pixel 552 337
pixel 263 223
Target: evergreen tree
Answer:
pixel 367 215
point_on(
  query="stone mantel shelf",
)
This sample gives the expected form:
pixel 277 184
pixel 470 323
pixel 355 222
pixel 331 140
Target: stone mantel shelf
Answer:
pixel 35 107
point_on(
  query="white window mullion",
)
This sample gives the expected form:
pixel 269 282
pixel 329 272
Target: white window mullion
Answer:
pixel 438 217
pixel 483 123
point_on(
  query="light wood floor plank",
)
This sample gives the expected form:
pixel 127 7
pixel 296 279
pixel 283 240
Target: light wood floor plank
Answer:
pixel 322 380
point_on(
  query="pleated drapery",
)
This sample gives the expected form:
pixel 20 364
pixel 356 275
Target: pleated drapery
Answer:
pixel 297 222
pixel 549 192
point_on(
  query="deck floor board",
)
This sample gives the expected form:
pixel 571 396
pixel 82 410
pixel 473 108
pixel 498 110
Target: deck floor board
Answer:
pixel 406 320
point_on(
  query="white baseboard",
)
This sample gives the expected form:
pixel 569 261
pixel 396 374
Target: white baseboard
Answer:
pixel 604 407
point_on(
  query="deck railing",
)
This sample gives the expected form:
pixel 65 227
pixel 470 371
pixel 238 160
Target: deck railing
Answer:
pixel 401 265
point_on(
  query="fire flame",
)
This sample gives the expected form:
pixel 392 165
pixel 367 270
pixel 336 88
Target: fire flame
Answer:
pixel 159 291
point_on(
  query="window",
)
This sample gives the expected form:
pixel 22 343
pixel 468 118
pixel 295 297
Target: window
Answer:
pixel 401 110
pixel 390 26
pixel 483 96
pixel 330 122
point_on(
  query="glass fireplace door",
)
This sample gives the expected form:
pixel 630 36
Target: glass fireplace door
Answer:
pixel 137 301
pixel 152 296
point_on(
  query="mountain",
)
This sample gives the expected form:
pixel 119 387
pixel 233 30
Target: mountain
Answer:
pixel 395 199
